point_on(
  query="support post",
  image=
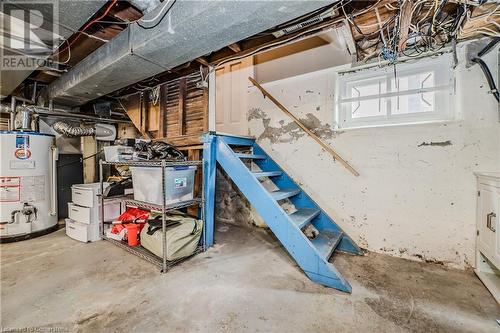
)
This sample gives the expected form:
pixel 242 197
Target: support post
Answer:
pixel 211 99
pixel 162 125
pixel 209 168
pixel 163 218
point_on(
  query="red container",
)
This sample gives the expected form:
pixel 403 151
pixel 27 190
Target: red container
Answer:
pixel 133 231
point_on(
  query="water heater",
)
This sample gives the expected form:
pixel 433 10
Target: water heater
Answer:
pixel 28 174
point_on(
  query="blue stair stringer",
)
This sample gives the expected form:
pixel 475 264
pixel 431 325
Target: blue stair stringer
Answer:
pixel 311 255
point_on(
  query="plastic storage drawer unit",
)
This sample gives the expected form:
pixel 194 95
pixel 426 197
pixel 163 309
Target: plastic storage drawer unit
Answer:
pixel 112 209
pixel 83 232
pixel 86 194
pixel 179 184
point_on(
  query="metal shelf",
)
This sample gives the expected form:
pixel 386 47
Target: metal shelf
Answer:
pixel 159 208
pixel 139 251
pixel 154 163
pixel 148 256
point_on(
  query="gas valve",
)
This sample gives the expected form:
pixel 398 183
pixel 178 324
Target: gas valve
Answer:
pixel 29 212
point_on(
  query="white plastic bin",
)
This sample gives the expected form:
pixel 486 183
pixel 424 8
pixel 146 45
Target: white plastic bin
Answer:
pixel 118 153
pixel 179 184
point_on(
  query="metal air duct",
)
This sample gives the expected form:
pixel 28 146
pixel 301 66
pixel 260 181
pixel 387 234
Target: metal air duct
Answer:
pixel 71 15
pixel 190 30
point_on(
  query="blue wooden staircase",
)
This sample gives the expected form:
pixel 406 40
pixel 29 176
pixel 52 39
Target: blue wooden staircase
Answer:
pixel 312 255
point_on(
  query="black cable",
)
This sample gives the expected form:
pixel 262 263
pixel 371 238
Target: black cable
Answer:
pixel 489 77
pixel 489 47
pixel 438 13
pixel 81 159
pixel 159 21
pixel 456 24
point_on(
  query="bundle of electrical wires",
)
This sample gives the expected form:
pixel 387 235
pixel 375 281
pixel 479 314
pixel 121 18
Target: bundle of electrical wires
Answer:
pixel 432 24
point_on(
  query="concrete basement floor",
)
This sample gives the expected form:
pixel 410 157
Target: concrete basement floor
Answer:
pixel 246 283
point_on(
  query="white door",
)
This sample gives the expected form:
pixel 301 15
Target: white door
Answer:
pixel 231 101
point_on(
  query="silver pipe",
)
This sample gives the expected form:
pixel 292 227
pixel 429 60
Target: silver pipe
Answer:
pixel 47 112
pixel 33 97
pixel 12 113
pixel 25 100
pixel 26 114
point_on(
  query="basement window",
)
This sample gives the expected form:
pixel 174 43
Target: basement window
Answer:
pixel 410 93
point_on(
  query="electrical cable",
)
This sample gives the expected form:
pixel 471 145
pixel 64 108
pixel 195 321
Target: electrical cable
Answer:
pixel 81 159
pixel 484 67
pixel 69 55
pixel 422 38
pixel 86 26
pixel 489 77
pixel 160 20
pixel 157 15
pixel 489 47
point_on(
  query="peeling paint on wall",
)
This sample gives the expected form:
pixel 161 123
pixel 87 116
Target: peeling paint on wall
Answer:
pixel 290 129
pixel 415 197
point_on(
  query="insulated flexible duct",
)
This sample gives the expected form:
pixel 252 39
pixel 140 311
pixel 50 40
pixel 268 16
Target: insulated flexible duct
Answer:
pixel 71 130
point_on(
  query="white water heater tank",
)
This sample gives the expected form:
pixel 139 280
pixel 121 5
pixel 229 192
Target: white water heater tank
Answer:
pixel 28 175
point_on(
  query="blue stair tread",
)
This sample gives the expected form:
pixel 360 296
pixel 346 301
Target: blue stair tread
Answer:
pixel 261 174
pixel 326 242
pixel 251 156
pixel 285 193
pixel 303 216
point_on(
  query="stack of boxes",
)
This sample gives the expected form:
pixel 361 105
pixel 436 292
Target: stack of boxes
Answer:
pixel 84 212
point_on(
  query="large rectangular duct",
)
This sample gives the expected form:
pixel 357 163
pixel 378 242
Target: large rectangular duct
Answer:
pixel 190 30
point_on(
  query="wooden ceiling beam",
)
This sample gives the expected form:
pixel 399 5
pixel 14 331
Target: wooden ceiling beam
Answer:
pixel 235 47
pixel 86 45
pixel 125 12
pixel 203 61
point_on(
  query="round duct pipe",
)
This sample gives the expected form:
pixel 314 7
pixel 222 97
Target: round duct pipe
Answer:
pixel 71 130
pixel 102 132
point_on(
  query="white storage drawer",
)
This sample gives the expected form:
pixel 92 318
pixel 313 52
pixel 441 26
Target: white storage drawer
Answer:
pixel 112 209
pixel 82 232
pixel 81 214
pixel 86 194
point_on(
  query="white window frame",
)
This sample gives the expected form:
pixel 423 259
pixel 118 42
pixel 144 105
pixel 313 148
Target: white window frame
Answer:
pixel 444 88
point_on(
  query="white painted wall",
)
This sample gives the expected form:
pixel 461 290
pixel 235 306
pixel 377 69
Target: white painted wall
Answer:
pixel 410 201
pixel 329 55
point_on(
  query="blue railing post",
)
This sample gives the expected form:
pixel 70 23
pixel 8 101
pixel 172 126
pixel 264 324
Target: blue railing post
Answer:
pixel 209 167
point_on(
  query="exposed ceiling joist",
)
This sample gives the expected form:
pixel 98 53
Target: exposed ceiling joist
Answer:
pixel 143 53
pixel 235 47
